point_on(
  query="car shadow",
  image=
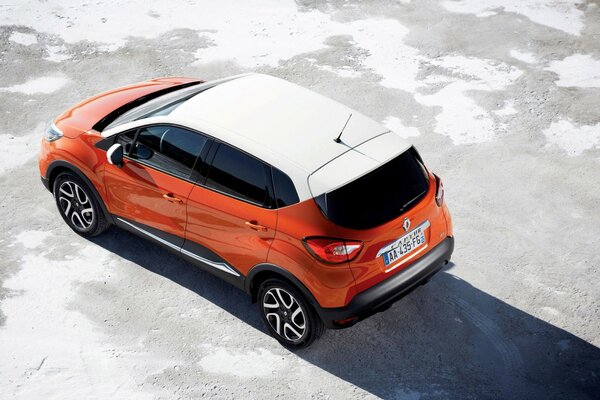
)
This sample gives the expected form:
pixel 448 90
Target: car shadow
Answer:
pixel 446 339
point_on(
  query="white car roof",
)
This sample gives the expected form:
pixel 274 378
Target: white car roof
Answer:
pixel 287 126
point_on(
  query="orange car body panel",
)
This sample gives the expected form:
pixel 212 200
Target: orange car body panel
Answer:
pixel 87 158
pixel 336 285
pixel 332 285
pixel 218 222
pixel 80 118
pixel 84 115
pixel 137 193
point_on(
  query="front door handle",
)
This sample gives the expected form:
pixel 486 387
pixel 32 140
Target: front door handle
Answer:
pixel 255 225
pixel 171 197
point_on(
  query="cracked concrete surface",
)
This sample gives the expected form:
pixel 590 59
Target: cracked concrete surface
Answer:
pixel 502 99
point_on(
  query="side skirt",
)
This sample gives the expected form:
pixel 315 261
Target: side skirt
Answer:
pixel 190 251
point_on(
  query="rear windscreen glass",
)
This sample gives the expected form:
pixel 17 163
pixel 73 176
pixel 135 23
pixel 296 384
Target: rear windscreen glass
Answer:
pixel 378 197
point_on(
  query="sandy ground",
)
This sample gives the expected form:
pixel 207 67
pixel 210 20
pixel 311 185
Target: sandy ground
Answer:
pixel 502 98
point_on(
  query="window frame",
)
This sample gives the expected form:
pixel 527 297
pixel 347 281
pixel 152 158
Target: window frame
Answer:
pixel 323 203
pixel 275 188
pixel 193 171
pixel 272 201
pixel 200 170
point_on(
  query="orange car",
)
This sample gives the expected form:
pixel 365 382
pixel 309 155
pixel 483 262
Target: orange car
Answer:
pixel 322 215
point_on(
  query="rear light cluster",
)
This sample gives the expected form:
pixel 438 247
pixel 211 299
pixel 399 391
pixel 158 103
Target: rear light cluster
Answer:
pixel 333 251
pixel 439 190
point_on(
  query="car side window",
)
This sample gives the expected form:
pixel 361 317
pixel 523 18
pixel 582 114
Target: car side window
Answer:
pixel 168 148
pixel 241 175
pixel 285 191
pixel 126 139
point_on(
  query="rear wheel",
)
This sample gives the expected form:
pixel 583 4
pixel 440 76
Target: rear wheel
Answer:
pixel 287 314
pixel 78 205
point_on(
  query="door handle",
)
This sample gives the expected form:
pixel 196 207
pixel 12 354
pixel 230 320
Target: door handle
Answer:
pixel 254 225
pixel 171 198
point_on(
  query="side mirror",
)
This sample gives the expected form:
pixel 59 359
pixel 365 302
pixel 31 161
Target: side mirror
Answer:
pixel 142 152
pixel 114 155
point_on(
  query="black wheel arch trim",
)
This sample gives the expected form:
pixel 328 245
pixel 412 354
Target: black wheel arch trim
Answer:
pixel 267 267
pixel 49 182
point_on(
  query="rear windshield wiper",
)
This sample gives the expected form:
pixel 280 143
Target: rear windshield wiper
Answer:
pixel 414 199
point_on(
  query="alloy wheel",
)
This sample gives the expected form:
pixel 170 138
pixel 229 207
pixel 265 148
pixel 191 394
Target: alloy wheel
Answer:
pixel 284 314
pixel 76 205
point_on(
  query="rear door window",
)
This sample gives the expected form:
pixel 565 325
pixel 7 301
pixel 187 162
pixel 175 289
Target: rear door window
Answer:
pixel 240 175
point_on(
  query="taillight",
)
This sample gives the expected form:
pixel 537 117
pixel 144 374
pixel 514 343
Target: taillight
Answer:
pixel 333 251
pixel 439 191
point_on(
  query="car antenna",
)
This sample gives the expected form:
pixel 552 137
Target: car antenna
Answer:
pixel 337 139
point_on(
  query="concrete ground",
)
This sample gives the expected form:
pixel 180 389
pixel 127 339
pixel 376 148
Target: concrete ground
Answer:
pixel 502 99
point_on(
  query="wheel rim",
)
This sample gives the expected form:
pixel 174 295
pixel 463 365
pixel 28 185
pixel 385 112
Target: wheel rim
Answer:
pixel 76 205
pixel 284 314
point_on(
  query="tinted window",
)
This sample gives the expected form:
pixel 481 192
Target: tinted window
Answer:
pixel 125 139
pixel 170 149
pixel 378 197
pixel 240 175
pixel 285 192
pixel 138 108
pixel 161 102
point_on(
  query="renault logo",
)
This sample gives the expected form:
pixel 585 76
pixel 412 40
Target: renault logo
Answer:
pixel 406 224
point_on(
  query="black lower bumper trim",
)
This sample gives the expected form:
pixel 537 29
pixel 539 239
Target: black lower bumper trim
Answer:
pixel 382 295
pixel 46 183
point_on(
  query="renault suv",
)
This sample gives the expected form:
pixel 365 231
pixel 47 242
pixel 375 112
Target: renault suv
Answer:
pixel 322 215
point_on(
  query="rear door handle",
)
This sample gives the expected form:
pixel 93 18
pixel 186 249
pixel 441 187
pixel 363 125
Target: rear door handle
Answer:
pixel 255 225
pixel 171 197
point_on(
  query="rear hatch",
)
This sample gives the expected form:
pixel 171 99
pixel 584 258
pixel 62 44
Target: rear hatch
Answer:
pixel 97 111
pixel 390 207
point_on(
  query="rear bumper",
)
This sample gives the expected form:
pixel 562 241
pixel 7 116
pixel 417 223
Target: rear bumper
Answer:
pixel 384 294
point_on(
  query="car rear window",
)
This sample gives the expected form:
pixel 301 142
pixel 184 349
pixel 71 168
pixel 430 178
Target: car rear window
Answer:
pixel 378 197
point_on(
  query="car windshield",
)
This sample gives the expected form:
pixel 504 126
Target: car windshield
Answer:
pixel 162 105
pixel 378 197
pixel 158 105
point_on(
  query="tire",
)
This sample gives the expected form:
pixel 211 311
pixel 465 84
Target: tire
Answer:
pixel 78 205
pixel 287 315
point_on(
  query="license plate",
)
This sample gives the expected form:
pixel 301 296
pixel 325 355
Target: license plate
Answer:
pixel 404 245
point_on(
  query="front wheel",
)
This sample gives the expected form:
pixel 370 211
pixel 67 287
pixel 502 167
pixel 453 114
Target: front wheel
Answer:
pixel 78 206
pixel 287 315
